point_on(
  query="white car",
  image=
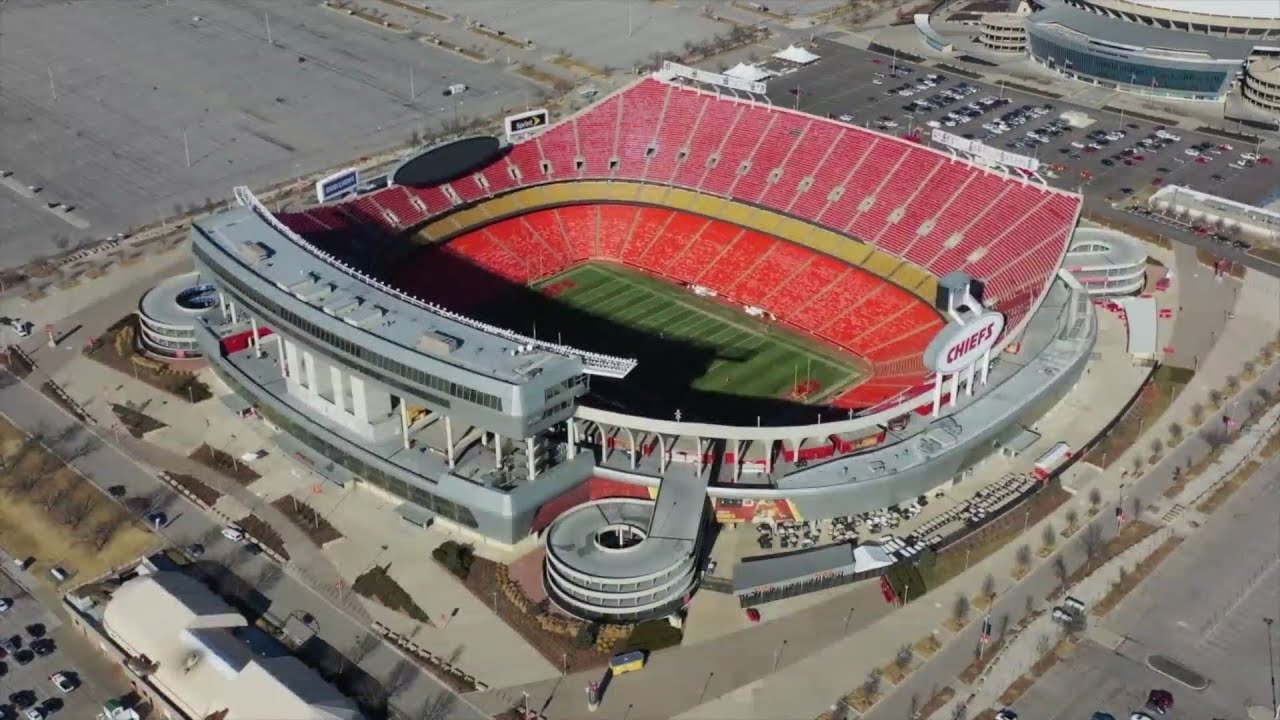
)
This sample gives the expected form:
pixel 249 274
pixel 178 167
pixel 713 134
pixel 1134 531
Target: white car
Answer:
pixel 5 604
pixel 22 328
pixel 455 89
pixel 846 118
pixel 33 713
pixel 1191 152
pixel 935 123
pixel 877 81
pixel 1077 145
pixel 232 533
pixel 1249 156
pixel 891 123
pixel 63 682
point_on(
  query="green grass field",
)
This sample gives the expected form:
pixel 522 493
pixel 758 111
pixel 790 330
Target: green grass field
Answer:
pixel 750 357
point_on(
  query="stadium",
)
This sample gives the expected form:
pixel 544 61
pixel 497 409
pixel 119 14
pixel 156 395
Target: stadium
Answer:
pixel 1183 49
pixel 675 300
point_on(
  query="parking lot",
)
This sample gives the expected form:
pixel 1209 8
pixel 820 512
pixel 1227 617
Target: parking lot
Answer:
pixel 854 85
pixel 25 675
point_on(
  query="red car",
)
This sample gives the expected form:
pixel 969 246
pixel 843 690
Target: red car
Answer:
pixel 1157 180
pixel 1264 160
pixel 1160 700
pixel 753 615
pixel 1202 160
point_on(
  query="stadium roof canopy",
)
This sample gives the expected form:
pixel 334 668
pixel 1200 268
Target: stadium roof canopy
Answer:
pixel 797 54
pixel 1223 8
pixel 1143 37
pixel 750 73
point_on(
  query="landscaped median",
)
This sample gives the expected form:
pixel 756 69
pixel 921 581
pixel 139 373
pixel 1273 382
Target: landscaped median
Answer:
pixel 117 348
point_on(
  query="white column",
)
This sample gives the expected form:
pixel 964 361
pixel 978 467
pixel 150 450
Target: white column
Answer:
pixel 233 314
pixel 359 406
pixel 662 454
pixel 937 394
pixel 291 358
pixel 404 422
pixel 571 433
pixel 969 379
pixel 339 398
pixel 955 389
pixel 986 365
pixel 309 367
pixel 280 352
pixel 768 456
pixel 448 439
pixel 497 450
pixel 698 446
pixel 253 337
pixel 222 305
pixel 528 451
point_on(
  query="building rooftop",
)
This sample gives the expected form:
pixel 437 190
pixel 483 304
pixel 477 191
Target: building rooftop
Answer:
pixel 254 246
pixel 1102 248
pixel 204 661
pixel 1219 8
pixel 1175 44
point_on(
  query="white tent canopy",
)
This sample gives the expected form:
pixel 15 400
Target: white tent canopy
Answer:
pixel 797 55
pixel 750 73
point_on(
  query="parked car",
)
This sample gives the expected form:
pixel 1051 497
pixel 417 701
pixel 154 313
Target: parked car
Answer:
pixel 1160 700
pixel 233 533
pixel 157 519
pixel 5 604
pixel 43 647
pixel 64 682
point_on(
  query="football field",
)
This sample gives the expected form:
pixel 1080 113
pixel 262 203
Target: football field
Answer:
pixel 752 357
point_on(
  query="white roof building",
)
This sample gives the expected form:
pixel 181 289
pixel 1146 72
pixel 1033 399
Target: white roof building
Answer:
pixel 797 55
pixel 750 73
pixel 202 659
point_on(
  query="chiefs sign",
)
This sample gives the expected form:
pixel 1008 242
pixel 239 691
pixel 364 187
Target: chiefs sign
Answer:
pixel 959 346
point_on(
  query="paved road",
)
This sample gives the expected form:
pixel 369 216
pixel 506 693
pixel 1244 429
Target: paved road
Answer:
pixel 1013 605
pixel 280 595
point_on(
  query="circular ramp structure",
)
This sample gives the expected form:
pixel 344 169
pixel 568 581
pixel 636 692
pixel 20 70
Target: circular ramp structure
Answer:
pixel 607 561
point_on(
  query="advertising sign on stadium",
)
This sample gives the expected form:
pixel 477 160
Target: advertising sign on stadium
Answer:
pixel 526 122
pixel 959 346
pixel 337 185
pixel 710 78
pixel 984 152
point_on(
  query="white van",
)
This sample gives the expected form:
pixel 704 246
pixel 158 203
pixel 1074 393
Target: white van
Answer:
pixel 233 533
pixel 59 574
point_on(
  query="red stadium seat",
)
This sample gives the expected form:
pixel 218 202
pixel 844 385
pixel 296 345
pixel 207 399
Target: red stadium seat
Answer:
pixel 903 198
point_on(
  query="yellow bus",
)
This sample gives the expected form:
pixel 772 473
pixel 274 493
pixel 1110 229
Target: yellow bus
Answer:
pixel 627 662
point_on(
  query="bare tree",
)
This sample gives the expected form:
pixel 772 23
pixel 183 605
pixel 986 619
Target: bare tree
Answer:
pixel 1049 535
pixel 53 492
pixel 1175 433
pixel 989 586
pixel 1060 569
pixel 269 576
pixel 1157 447
pixel 1023 556
pixel 902 659
pixel 1135 507
pixel 1250 368
pixel 1136 464
pixel 1044 644
pixel 400 677
pixel 960 609
pixel 871 686
pixel 1215 398
pixel 1092 540
pixel 1233 384
pixel 438 707
pixel 1095 497
pixel 101 532
pixel 1198 412
pixel 362 647
pixel 1073 518
pixel 78 508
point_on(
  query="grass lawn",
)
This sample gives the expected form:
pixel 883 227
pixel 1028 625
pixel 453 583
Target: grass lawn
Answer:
pixel 83 530
pixel 751 356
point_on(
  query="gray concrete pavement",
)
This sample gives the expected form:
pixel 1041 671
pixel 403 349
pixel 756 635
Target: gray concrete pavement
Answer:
pixel 105 465
pixel 96 98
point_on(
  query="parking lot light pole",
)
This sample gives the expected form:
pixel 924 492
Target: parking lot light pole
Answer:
pixel 1271 666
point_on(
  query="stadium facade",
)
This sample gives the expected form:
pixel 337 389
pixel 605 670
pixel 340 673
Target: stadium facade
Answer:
pixel 888 250
pixel 1185 49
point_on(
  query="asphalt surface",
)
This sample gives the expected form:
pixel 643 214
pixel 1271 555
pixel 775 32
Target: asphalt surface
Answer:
pixel 282 598
pixel 1205 613
pixel 95 99
pixel 843 83
pixel 1032 590
pixel 28 614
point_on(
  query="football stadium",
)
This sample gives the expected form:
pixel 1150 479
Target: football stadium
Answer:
pixel 676 303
